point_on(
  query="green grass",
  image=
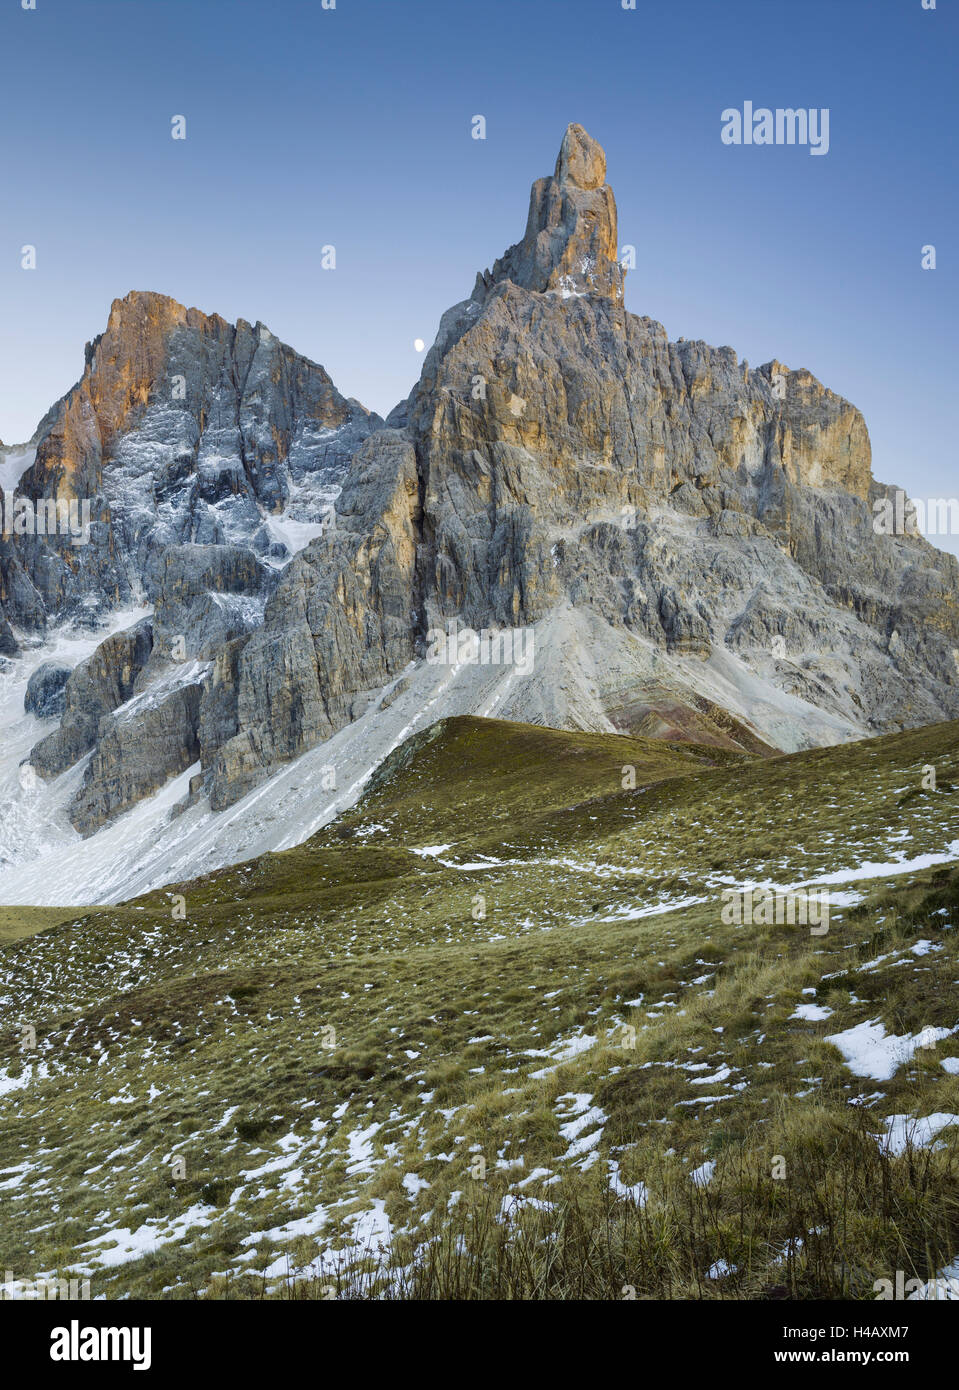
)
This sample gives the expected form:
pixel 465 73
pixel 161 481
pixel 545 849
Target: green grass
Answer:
pixel 18 922
pixel 340 1032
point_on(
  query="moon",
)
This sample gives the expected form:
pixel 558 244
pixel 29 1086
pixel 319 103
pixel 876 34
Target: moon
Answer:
pixel 419 344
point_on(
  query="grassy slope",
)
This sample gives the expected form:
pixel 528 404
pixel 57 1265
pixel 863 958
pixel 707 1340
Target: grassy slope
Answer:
pixel 18 922
pixel 201 1036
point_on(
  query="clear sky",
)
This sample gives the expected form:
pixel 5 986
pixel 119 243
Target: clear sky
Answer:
pixel 352 127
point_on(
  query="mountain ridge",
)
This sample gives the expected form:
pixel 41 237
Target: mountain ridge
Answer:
pixel 689 540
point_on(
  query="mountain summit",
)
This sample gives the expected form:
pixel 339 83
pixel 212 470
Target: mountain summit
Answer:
pixel 685 542
pixel 570 243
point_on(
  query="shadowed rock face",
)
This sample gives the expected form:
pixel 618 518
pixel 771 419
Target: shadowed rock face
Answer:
pixel 44 696
pixel 137 754
pixel 204 448
pixel 339 626
pixel 691 538
pixel 99 685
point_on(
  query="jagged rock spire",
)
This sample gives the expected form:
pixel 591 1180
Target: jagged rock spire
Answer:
pixel 581 160
pixel 570 243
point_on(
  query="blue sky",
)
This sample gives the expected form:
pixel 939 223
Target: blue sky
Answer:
pixel 351 127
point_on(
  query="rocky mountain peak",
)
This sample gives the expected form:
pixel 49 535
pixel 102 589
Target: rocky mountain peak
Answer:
pixel 183 429
pixel 581 159
pixel 687 543
pixel 570 244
